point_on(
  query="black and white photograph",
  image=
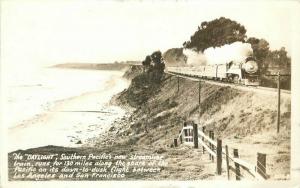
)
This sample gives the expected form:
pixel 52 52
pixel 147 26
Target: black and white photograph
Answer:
pixel 199 91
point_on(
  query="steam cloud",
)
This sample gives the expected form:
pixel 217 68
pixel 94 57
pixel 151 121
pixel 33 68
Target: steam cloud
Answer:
pixel 236 52
pixel 194 58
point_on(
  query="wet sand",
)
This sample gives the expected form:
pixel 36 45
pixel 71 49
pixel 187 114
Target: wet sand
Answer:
pixel 70 122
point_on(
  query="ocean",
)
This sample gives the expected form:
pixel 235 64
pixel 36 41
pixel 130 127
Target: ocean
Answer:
pixel 33 100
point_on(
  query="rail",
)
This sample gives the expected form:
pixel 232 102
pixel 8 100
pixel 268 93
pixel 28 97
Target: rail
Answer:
pixel 237 86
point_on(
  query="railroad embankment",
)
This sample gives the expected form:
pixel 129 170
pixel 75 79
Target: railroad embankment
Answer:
pixel 245 120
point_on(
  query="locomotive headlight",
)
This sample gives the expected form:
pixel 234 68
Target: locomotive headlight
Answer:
pixel 250 67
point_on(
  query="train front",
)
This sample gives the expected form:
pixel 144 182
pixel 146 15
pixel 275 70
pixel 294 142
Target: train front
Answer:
pixel 250 72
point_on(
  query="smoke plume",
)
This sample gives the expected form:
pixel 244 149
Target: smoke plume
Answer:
pixel 194 58
pixel 236 52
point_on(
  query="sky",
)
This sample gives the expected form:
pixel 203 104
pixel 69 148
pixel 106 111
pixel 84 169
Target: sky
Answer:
pixel 40 33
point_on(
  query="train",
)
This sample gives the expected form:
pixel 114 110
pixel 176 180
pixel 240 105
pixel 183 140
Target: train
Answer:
pixel 244 72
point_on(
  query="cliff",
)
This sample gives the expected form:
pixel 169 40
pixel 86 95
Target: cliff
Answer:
pixel 243 119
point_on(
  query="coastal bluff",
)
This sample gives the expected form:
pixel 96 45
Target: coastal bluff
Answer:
pixel 242 119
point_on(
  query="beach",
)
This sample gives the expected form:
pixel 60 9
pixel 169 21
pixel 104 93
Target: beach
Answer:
pixel 70 121
pixel 110 121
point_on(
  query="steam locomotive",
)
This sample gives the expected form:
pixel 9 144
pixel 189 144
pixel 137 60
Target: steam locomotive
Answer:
pixel 245 72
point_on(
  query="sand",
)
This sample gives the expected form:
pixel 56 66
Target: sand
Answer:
pixel 70 122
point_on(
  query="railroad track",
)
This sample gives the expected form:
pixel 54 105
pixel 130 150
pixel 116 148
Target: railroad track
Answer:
pixel 232 85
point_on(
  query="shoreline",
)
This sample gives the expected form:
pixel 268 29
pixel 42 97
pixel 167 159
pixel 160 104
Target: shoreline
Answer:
pixel 71 120
pixel 150 129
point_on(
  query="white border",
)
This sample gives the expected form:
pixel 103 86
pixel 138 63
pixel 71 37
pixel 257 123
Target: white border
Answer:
pixel 295 141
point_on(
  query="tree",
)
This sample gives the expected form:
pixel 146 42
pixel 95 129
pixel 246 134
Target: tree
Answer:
pixel 174 57
pixel 260 48
pixel 260 51
pixel 147 61
pixel 278 59
pixel 216 33
pixel 158 67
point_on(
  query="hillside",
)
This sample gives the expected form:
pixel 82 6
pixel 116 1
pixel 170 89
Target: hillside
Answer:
pixel 242 119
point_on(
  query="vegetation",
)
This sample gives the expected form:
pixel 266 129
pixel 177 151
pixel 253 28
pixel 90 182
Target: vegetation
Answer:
pixel 147 83
pixel 221 31
pixel 174 57
pixel 260 49
pixel 271 62
pixel 154 67
pixel 216 33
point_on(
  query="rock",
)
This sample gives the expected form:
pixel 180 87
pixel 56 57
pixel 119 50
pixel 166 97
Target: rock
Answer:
pixel 79 142
pixel 112 128
pixel 160 150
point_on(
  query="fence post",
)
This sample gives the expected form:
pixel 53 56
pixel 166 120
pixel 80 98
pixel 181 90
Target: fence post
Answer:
pixel 185 132
pixel 203 130
pixel 195 135
pixel 261 164
pixel 191 134
pixel 219 156
pixel 209 145
pixel 175 142
pixel 180 137
pixel 199 92
pixel 177 83
pixel 212 146
pixel 237 166
pixel 227 162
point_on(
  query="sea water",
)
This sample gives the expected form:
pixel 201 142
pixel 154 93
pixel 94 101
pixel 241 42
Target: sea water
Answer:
pixel 30 96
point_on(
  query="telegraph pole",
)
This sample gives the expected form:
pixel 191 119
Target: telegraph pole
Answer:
pixel 199 90
pixel 177 83
pixel 278 75
pixel 278 102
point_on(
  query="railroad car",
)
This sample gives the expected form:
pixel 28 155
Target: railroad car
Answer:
pixel 245 72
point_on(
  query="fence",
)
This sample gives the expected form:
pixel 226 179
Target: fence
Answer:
pixel 190 135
